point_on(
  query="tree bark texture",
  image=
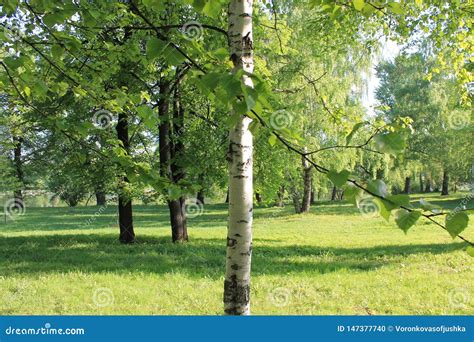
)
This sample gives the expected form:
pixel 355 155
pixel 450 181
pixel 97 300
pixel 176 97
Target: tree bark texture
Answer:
pixel 429 186
pixel 445 186
pixel 280 197
pixel 306 202
pixel 407 188
pixel 18 164
pixel 127 233
pixel 334 193
pixel 170 151
pixel 200 197
pixel 239 156
pixel 100 198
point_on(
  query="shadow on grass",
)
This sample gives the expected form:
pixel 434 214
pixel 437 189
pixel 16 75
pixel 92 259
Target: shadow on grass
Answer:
pixel 157 216
pixel 101 253
pixel 152 216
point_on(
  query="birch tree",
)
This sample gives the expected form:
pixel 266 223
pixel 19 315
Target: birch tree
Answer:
pixel 239 156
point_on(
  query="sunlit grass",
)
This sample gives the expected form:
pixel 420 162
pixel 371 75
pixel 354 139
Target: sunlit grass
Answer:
pixel 331 261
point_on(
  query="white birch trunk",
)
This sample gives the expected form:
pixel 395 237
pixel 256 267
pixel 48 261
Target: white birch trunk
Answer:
pixel 239 234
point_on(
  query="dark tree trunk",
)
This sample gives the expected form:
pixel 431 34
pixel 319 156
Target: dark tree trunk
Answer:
pixel 170 152
pixel 127 234
pixel 179 230
pixel 429 186
pixel 179 227
pixel 258 197
pixel 200 197
pixel 407 188
pixel 306 202
pixel 227 196
pixel 445 187
pixel 421 182
pixel 100 198
pixel 313 196
pixel 18 164
pixel 296 201
pixel 178 219
pixel 280 197
pixel 334 193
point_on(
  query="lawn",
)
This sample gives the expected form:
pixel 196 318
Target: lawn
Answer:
pixel 331 261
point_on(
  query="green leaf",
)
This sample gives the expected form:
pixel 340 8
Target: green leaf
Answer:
pixel 240 107
pixel 338 178
pixel 155 5
pixel 368 10
pixel 405 219
pixel 40 89
pixel 429 207
pixel 199 5
pixel 392 202
pixel 396 8
pixel 392 142
pixel 210 80
pixel 158 48
pixel 272 139
pixel 354 130
pixel 352 193
pixel 456 223
pixel 10 5
pixel 232 120
pixel 377 187
pixel 212 8
pixel 173 56
pixel 399 200
pixel 470 250
pixel 384 208
pixel 27 91
pixel 154 48
pixel 221 54
pixel 74 45
pixel 174 191
pixel 146 114
pixel 52 19
pixel 250 97
pixel 358 4
pixel 57 51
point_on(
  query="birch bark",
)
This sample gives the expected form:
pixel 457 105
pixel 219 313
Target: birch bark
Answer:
pixel 239 234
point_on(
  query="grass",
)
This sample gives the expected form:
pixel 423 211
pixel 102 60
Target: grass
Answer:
pixel 331 261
